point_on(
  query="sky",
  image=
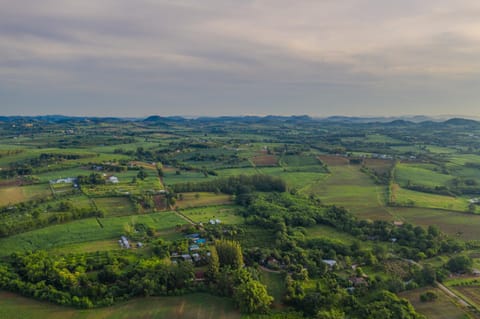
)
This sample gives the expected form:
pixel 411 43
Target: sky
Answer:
pixel 317 57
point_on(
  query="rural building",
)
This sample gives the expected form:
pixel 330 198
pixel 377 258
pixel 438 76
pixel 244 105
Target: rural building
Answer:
pixel 124 242
pixel 113 179
pixel 187 257
pixel 68 180
pixel 194 247
pixel 330 262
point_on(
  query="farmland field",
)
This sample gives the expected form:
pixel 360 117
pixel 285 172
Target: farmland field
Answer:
pixel 16 194
pixel 471 293
pixel 284 221
pixel 461 225
pixel 189 200
pixel 115 206
pixel 412 198
pixel 81 231
pixel 225 213
pixel 418 174
pixel 353 189
pixel 442 308
pixel 186 307
pixel 265 160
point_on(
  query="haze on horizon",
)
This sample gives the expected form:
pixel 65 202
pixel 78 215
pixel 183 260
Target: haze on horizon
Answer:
pixel 212 57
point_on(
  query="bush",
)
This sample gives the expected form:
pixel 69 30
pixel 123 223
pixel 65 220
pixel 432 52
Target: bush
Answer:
pixel 428 296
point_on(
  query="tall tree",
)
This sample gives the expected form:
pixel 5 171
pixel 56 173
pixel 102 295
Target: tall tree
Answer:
pixel 251 296
pixel 229 253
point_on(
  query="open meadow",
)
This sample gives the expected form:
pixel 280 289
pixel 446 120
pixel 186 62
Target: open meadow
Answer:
pixel 192 306
pixel 356 191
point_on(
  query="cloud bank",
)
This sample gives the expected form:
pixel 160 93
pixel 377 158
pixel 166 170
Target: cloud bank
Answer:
pixel 318 57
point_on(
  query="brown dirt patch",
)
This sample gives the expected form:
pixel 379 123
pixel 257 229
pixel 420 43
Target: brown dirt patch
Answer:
pixel 265 160
pixel 334 160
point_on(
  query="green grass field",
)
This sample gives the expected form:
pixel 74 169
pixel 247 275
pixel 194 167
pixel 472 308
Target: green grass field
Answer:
pixel 419 174
pixel 460 225
pixel 442 308
pixel 192 306
pixel 330 233
pixel 203 199
pixel 81 231
pixel 115 206
pixel 171 178
pixel 225 213
pixel 412 198
pixel 71 172
pixel 347 186
pixel 275 286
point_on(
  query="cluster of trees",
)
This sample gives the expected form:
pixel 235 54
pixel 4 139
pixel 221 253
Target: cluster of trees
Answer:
pixel 36 219
pixel 330 300
pixel 27 167
pixel 278 211
pixel 98 279
pixel 227 277
pixel 92 179
pixel 241 185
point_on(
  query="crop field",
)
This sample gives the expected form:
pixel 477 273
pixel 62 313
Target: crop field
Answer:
pixel 470 292
pixel 347 186
pixel 327 232
pixel 78 200
pixel 192 306
pixel 299 160
pixel 419 174
pixel 225 213
pixel 56 174
pixel 461 159
pixel 440 150
pixel 467 172
pixel 265 160
pixel 16 194
pixel 85 230
pixel 11 195
pixel 380 166
pixel 460 225
pixel 115 206
pixel 333 160
pixel 374 138
pixel 202 199
pixel 172 178
pixel 88 247
pixel 442 308
pixel 237 171
pixel 408 197
pixel 125 186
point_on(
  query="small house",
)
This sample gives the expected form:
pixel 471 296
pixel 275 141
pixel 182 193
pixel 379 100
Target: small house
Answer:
pixel 113 179
pixel 330 262
pixel 194 247
pixel 187 257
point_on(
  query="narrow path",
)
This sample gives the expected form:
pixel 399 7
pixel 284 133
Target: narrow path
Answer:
pixel 182 216
pixel 450 293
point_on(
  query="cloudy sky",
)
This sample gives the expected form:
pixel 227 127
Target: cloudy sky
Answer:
pixel 209 57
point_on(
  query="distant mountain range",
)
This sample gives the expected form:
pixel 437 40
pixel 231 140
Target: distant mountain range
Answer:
pixel 166 120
